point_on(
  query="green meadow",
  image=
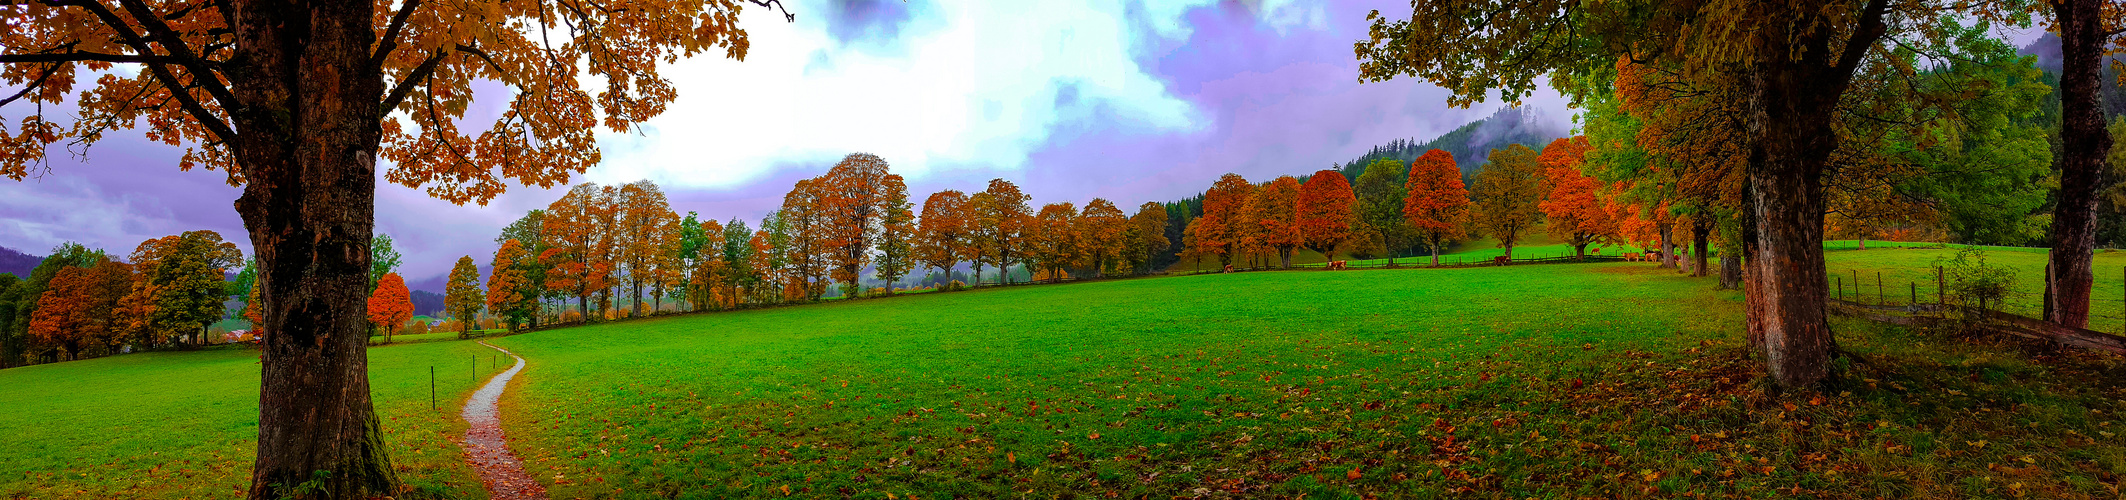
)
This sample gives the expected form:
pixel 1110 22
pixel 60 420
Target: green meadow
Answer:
pixel 1609 380
pixel 184 424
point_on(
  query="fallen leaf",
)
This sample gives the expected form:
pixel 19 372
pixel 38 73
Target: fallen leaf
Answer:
pixel 1353 475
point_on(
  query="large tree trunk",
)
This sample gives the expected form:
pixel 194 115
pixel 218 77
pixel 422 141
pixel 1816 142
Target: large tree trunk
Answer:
pixel 1790 114
pixel 1730 271
pixel 310 130
pixel 2083 145
pixel 1284 257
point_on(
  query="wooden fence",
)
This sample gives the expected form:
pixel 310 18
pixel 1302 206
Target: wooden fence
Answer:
pixel 1917 304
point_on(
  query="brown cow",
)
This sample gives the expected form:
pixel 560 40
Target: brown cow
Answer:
pixel 1336 265
pixel 1632 257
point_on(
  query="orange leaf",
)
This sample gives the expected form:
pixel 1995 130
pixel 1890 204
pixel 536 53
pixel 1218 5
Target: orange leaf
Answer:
pixel 1353 475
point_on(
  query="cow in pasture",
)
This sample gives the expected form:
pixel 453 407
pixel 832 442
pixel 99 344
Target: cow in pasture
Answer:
pixel 1632 257
pixel 1501 260
pixel 1336 265
pixel 1228 268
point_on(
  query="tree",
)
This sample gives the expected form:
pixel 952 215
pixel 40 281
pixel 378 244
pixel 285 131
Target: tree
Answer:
pixel 187 273
pixel 943 236
pixel 383 259
pixel 1508 187
pixel 803 241
pixel 510 294
pixel 1146 236
pixel 1792 64
pixel 738 260
pixel 526 230
pixel 605 256
pixel 391 305
pixel 461 296
pixel 645 236
pixel 571 234
pixel 1102 236
pixel 1325 212
pixel 2085 28
pixel 29 292
pixel 1051 240
pixel 850 199
pixel 1574 205
pixel 1225 218
pixel 75 313
pixel 711 272
pixel 1380 205
pixel 1277 210
pixel 1000 219
pixel 896 245
pixel 1435 204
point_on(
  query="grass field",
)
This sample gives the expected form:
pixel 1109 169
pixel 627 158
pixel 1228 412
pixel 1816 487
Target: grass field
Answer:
pixel 184 424
pixel 1900 268
pixel 1603 380
pixel 1608 380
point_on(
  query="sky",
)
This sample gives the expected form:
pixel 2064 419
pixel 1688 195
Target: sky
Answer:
pixel 1131 101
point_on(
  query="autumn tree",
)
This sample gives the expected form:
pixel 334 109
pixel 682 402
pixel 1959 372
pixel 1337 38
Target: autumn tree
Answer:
pixel 74 314
pixel 1146 236
pixel 1326 206
pixel 711 271
pixel 1792 62
pixel 896 237
pixel 1277 211
pixel 1573 204
pixel 187 273
pixel 391 305
pixel 1102 233
pixel 851 199
pixel 1051 240
pixel 461 295
pixel 383 259
pixel 569 230
pixel 1435 204
pixel 1225 218
pixel 1000 216
pixel 510 293
pixel 944 234
pixel 606 255
pixel 645 236
pixel 806 241
pixel 526 230
pixel 1380 205
pixel 1508 187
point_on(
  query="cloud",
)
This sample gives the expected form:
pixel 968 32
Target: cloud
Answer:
pixel 972 85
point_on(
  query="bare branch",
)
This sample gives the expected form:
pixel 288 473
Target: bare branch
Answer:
pixel 207 120
pixel 406 85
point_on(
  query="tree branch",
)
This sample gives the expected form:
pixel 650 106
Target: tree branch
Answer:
pixel 1870 30
pixel 62 57
pixel 176 46
pixel 32 86
pixel 786 15
pixel 406 85
pixel 390 41
pixel 199 112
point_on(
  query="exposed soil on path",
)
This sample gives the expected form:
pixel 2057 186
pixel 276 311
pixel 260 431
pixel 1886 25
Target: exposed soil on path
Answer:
pixel 485 447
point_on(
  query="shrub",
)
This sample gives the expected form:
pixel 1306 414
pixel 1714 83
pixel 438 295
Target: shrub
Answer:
pixel 954 286
pixel 1974 283
pixel 571 317
pixel 415 327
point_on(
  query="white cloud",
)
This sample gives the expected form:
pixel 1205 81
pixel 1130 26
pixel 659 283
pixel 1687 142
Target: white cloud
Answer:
pixel 969 85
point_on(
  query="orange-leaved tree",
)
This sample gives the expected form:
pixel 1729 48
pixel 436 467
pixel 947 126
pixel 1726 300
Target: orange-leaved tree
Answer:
pixel 1000 216
pixel 711 274
pixel 1277 211
pixel 850 199
pixel 391 305
pixel 76 310
pixel 1226 218
pixel 1146 236
pixel 571 233
pixel 461 295
pixel 1574 205
pixel 1051 240
pixel 1102 236
pixel 1436 205
pixel 643 238
pixel 297 102
pixel 1326 205
pixel 943 237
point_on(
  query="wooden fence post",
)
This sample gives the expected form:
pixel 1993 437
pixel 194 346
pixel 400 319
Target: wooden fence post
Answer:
pixel 1915 292
pixel 1879 298
pixel 1840 281
pixel 431 387
pixel 1941 292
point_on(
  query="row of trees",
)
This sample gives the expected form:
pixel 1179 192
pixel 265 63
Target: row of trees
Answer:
pixel 82 302
pixel 622 250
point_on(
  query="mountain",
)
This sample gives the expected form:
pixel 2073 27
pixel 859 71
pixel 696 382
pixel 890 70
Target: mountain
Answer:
pixel 1470 143
pixel 17 263
pixel 432 284
pixel 426 303
pixel 2047 50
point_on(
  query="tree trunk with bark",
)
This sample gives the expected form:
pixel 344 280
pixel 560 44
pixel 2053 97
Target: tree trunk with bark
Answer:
pixel 309 127
pixel 1668 245
pixel 2083 145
